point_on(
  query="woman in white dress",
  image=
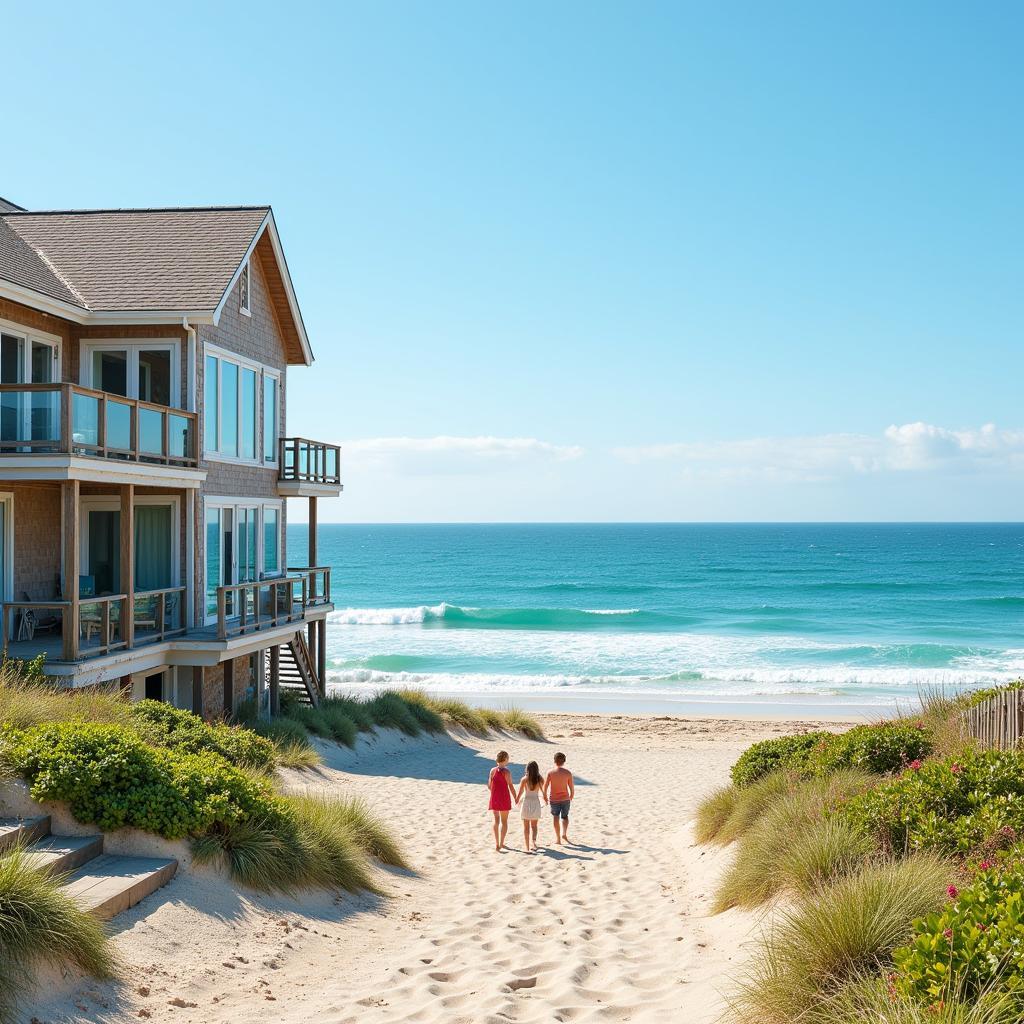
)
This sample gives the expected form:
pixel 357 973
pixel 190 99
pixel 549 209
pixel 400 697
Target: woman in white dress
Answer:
pixel 531 792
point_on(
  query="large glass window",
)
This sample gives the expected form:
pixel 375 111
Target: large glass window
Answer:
pixel 271 541
pixel 153 544
pixel 213 559
pixel 211 407
pixel 110 372
pixel 270 418
pixel 229 408
pixel 248 414
pixel 155 376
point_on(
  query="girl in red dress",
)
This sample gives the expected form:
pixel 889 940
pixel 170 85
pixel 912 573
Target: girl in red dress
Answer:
pixel 499 782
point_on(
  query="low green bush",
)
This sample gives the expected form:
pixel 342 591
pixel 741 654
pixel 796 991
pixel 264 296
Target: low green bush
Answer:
pixel 168 726
pixel 786 753
pixel 972 946
pixel 39 923
pixel 884 748
pixel 952 806
pixel 112 779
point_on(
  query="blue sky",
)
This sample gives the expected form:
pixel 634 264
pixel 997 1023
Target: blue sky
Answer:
pixel 593 261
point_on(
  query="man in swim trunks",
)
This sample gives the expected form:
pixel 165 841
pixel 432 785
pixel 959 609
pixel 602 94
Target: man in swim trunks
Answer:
pixel 559 791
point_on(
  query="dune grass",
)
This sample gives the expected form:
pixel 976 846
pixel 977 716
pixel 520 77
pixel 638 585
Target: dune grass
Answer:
pixel 750 803
pixel 868 1000
pixel 315 842
pixel 843 931
pixel 294 749
pixel 714 811
pixel 790 846
pixel 38 923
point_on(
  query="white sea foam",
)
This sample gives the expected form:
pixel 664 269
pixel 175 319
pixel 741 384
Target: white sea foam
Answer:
pixel 386 616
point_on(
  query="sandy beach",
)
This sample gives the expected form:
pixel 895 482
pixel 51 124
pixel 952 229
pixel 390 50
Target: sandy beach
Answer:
pixel 612 928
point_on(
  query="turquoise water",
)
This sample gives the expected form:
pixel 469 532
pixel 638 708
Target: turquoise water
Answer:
pixel 858 615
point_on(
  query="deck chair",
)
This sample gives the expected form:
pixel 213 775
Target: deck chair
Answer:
pixel 46 620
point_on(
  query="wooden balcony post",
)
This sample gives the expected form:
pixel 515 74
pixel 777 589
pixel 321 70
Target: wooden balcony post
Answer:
pixel 69 527
pixel 229 687
pixel 66 422
pixel 275 680
pixel 127 583
pixel 312 532
pixel 222 618
pixel 197 689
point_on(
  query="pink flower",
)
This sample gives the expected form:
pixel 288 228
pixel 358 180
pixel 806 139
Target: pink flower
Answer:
pixel 982 927
pixel 949 934
pixel 985 865
pixel 955 768
pixel 920 725
pixel 952 892
pixel 914 765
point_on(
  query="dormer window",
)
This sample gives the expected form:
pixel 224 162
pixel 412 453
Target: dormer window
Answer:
pixel 243 290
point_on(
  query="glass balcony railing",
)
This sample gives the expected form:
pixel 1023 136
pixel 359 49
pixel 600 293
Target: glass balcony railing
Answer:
pixel 72 420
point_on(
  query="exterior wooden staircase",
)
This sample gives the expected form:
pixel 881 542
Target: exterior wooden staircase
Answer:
pixel 101 883
pixel 296 675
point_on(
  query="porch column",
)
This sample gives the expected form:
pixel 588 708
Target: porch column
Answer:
pixel 275 680
pixel 197 690
pixel 311 561
pixel 321 655
pixel 128 564
pixel 69 518
pixel 189 611
pixel 229 687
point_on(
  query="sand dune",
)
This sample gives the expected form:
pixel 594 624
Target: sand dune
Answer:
pixel 612 928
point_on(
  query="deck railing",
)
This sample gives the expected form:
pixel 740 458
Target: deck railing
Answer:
pixel 304 461
pixel 318 586
pixel 158 614
pixel 247 607
pixel 67 419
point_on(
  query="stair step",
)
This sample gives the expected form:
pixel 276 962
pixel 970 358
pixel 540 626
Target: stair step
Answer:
pixel 23 830
pixel 64 853
pixel 109 884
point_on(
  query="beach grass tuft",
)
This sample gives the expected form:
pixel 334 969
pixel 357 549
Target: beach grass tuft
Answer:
pixel 39 923
pixel 750 804
pixel 351 815
pixel 845 930
pixel 714 811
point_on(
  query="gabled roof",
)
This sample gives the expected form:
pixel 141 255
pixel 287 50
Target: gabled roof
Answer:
pixel 124 266
pixel 6 206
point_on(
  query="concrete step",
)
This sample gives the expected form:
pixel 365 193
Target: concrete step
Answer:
pixel 64 853
pixel 109 884
pixel 23 830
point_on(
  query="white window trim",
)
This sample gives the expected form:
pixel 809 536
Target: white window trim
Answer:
pixel 260 369
pixel 132 346
pixel 236 503
pixel 246 272
pixel 43 338
pixel 7 569
pixel 277 376
pixel 106 503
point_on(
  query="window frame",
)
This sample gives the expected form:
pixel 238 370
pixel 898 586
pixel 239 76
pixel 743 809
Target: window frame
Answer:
pixel 237 503
pixel 269 373
pixel 132 347
pixel 223 355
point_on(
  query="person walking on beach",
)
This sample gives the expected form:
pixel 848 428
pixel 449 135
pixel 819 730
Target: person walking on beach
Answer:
pixel 559 791
pixel 499 782
pixel 530 792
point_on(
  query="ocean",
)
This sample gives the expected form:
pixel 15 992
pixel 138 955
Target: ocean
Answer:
pixel 675 617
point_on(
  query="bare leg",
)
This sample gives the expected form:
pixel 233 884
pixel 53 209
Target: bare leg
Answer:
pixel 558 834
pixel 526 835
pixel 533 829
pixel 497 841
pixel 504 829
pixel 565 829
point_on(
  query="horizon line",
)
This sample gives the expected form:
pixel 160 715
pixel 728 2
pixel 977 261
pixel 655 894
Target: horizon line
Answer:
pixel 669 522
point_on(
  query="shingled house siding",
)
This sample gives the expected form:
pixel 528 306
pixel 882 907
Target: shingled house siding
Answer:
pixel 257 337
pixel 37 548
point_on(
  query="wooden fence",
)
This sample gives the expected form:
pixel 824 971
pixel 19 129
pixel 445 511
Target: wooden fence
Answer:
pixel 999 721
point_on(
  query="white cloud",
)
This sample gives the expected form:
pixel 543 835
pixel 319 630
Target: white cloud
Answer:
pixel 446 454
pixel 912 447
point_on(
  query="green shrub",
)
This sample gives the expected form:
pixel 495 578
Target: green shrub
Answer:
pixel 973 945
pixel 39 923
pixel 183 731
pixel 714 811
pixel 884 748
pixel 954 806
pixel 844 931
pixel 112 779
pixel 786 753
pixel 765 865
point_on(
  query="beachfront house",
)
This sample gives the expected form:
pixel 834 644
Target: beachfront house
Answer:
pixel 145 457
